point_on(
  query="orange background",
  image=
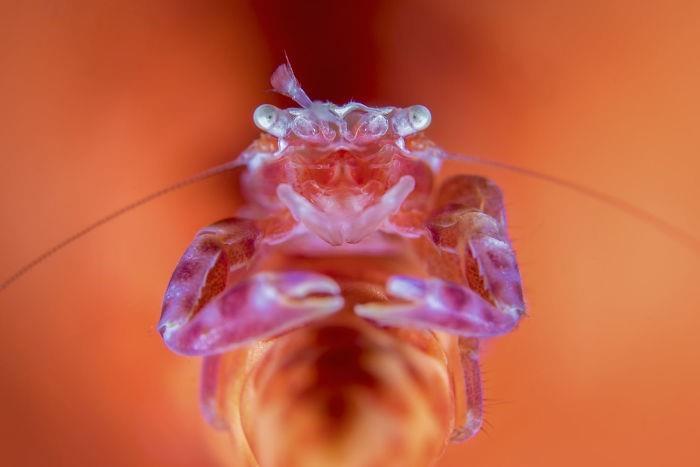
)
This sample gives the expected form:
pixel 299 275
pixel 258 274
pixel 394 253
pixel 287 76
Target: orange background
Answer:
pixel 104 103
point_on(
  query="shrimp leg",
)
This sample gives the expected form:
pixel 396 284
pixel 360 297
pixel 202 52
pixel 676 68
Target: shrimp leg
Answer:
pixel 208 392
pixel 213 304
pixel 475 289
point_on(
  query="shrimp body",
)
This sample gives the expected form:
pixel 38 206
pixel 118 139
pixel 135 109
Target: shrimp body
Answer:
pixel 339 314
pixel 339 391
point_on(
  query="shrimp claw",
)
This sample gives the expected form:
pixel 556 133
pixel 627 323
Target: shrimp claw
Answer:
pixel 209 308
pixel 476 291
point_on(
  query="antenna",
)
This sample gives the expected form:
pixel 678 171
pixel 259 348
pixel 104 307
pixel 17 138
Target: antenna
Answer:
pixel 208 173
pixel 661 225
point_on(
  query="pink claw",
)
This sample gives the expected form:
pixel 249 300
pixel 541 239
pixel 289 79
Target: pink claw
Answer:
pixel 261 306
pixel 500 273
pixel 440 305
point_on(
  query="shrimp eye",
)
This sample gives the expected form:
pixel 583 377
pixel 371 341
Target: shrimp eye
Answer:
pixel 271 120
pixel 419 117
pixel 265 116
pixel 411 120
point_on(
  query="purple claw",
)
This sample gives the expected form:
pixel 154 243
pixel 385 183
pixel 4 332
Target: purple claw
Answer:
pixel 264 305
pixel 440 305
pixel 499 270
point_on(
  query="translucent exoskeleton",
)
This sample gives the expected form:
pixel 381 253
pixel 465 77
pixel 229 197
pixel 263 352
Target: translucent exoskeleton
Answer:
pixel 342 308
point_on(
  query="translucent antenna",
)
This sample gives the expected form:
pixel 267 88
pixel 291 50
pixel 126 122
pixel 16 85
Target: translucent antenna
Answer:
pixel 285 83
pixel 113 215
pixel 662 225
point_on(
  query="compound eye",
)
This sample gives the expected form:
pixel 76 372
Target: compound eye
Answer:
pixel 411 120
pixel 265 116
pixel 419 117
pixel 271 120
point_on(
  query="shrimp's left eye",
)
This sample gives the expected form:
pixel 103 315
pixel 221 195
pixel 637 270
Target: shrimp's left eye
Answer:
pixel 265 116
pixel 271 120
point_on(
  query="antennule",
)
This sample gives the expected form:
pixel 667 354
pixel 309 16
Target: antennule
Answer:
pixel 113 215
pixel 285 83
pixel 661 225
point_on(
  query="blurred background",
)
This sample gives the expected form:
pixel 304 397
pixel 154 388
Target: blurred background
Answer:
pixel 103 102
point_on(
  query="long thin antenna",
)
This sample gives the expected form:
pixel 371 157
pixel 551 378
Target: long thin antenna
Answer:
pixel 113 215
pixel 662 225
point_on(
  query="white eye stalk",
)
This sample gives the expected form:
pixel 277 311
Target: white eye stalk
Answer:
pixel 411 120
pixel 271 120
pixel 419 116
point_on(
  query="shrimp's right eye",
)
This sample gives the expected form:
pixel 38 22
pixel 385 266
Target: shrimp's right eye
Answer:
pixel 271 120
pixel 419 117
pixel 411 120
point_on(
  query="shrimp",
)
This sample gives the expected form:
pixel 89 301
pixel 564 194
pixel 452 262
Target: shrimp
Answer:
pixel 354 297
